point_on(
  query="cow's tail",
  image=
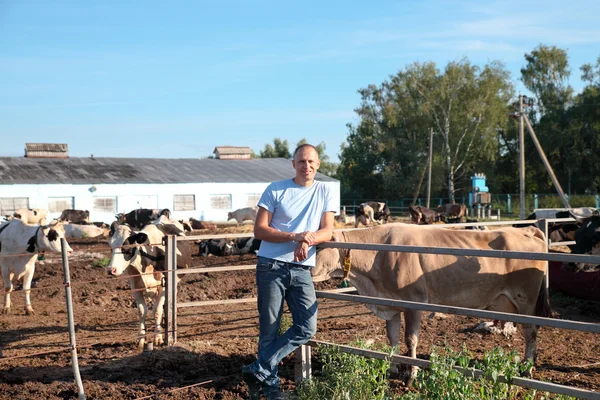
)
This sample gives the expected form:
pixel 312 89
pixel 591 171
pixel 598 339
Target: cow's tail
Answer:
pixel 542 306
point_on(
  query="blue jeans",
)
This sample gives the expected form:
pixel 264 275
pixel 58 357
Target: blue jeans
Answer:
pixel 276 281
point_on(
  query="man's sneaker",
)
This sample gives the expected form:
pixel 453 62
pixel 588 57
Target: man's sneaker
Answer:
pixel 272 393
pixel 252 382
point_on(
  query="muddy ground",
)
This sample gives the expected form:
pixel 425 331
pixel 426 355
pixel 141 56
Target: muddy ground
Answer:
pixel 215 341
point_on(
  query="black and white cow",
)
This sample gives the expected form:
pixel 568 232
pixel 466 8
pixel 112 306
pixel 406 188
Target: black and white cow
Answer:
pixel 216 247
pixel 380 212
pixel 140 255
pixel 246 246
pixel 22 243
pixel 142 217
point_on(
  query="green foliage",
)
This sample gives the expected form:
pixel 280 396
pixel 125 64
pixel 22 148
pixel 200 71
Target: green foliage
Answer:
pixel 443 382
pixel 280 149
pixel 101 262
pixel 347 376
pixel 284 325
pixel 387 152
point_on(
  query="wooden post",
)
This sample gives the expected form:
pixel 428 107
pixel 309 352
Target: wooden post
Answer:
pixel 302 366
pixel 542 224
pixel 538 146
pixel 521 158
pixel 430 165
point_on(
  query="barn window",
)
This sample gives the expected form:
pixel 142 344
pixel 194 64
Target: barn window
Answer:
pixel 184 202
pixel 220 201
pixel 58 204
pixel 253 199
pixel 8 205
pixel 105 204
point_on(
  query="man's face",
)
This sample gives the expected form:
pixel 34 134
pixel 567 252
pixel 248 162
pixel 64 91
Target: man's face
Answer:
pixel 306 163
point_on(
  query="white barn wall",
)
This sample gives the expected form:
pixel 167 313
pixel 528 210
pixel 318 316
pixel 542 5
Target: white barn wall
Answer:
pixel 157 196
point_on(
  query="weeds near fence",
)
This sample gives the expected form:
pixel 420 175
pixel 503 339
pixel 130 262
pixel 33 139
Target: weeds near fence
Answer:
pixel 349 376
pixel 285 324
pixel 101 263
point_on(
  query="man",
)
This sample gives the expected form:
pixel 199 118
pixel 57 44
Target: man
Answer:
pixel 293 216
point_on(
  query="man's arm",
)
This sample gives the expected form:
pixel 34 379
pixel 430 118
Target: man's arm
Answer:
pixel 263 230
pixel 312 238
pixel 325 231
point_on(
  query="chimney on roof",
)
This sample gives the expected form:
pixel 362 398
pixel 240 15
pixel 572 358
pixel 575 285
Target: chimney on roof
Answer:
pixel 46 150
pixel 232 153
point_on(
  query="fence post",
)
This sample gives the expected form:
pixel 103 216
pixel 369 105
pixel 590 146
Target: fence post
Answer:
pixel 542 224
pixel 70 319
pixel 498 214
pixel 508 204
pixel 535 201
pixel 170 309
pixel 302 366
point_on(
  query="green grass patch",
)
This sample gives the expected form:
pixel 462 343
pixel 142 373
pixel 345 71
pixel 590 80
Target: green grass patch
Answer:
pixel 101 262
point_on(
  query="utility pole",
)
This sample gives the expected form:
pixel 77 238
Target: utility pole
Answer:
pixel 538 146
pixel 430 165
pixel 521 158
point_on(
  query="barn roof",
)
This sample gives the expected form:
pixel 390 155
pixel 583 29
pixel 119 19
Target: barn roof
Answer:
pixel 97 170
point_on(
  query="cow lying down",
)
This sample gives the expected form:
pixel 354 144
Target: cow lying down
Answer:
pixel 140 255
pixel 506 285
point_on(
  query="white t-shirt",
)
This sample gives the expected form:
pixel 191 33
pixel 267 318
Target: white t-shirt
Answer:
pixel 295 209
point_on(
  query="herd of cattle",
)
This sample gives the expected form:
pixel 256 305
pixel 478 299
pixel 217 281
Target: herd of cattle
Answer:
pixel 138 252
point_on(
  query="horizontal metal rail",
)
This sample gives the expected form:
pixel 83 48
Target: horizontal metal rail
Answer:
pixel 518 381
pixel 518 318
pixel 246 300
pixel 214 236
pixel 557 244
pixel 214 269
pixel 523 255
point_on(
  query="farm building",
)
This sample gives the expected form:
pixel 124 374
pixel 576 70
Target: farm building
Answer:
pixel 205 189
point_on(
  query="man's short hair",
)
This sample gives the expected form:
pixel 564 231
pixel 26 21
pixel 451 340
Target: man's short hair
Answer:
pixel 303 146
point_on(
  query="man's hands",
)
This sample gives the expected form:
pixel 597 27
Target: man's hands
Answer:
pixel 301 252
pixel 305 240
pixel 308 237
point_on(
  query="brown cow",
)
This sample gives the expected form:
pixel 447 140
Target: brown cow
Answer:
pixel 201 224
pixel 422 215
pixel 452 212
pixel 507 285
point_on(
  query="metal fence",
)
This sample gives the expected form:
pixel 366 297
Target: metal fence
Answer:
pixel 303 359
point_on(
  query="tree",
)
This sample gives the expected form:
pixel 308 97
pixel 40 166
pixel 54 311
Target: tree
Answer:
pixel 280 149
pixel 546 75
pixel 464 104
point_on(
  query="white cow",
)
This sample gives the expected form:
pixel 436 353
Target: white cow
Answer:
pixel 83 231
pixel 31 216
pixel 17 237
pixel 243 214
pixel 140 256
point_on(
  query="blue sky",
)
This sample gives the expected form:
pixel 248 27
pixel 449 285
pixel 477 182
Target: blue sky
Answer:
pixel 175 79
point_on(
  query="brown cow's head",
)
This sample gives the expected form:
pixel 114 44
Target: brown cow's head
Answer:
pixel 329 262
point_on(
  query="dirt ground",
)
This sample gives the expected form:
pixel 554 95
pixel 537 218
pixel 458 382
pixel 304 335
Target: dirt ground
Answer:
pixel 215 341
